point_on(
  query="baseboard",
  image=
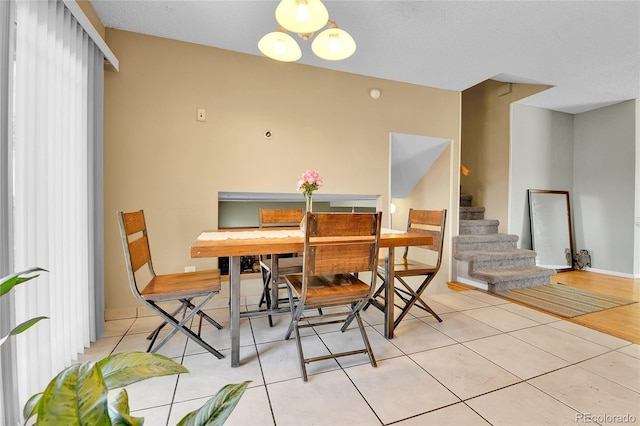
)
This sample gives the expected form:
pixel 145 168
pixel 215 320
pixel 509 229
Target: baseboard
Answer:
pixel 122 313
pixel 614 273
pixel 473 283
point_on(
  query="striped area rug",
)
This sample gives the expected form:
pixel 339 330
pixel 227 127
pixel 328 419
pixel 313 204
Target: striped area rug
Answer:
pixel 564 300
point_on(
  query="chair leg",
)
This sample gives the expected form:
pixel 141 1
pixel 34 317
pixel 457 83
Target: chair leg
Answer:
pixel 180 326
pixel 155 332
pixel 415 296
pixel 365 339
pixel 377 293
pixel 203 316
pixel 266 291
pixel 303 368
pixel 265 297
pixel 296 312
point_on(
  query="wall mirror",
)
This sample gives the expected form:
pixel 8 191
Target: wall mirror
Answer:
pixel 551 231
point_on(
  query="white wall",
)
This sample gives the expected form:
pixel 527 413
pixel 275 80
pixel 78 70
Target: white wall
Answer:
pixel 541 158
pixel 594 155
pixel 636 256
pixel 604 186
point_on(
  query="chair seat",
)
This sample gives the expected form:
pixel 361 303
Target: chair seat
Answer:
pixel 184 284
pixel 407 267
pixel 328 289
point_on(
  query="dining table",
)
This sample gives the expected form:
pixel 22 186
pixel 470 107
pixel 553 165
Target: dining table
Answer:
pixel 237 243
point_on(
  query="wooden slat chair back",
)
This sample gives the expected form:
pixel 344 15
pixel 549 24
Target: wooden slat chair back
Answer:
pixel 430 222
pixel 279 217
pixel 337 247
pixel 286 263
pixel 179 287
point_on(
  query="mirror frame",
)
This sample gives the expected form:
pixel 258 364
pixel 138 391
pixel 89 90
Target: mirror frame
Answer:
pixel 530 194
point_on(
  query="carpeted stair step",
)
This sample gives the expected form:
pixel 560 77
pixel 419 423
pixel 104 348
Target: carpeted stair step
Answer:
pixel 471 213
pixel 490 260
pixel 465 200
pixel 490 242
pixel 521 277
pixel 478 227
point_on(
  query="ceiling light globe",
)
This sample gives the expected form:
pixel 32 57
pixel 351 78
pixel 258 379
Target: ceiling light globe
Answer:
pixel 302 12
pixel 302 16
pixel 333 44
pixel 280 46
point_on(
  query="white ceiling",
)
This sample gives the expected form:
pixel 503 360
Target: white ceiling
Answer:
pixel 589 51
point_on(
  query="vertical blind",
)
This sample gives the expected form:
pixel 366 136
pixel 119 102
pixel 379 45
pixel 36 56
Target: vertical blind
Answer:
pixel 57 154
pixel 7 352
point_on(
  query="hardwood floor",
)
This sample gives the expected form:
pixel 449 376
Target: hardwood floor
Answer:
pixel 622 322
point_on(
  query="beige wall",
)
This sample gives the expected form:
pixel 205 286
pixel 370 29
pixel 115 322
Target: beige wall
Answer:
pixel 157 157
pixel 485 144
pixel 433 192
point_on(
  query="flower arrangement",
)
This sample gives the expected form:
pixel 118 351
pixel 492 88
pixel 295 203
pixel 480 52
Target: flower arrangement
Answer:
pixel 309 181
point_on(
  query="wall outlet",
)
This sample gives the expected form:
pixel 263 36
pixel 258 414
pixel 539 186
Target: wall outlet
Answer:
pixel 201 114
pixel 189 268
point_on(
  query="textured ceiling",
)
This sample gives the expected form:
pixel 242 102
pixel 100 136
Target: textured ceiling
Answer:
pixel 589 51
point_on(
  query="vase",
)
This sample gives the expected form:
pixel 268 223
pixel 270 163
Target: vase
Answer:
pixel 309 198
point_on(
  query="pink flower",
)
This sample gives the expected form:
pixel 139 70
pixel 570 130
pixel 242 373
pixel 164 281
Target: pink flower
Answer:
pixel 309 182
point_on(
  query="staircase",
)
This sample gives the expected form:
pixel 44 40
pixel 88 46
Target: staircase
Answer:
pixel 491 261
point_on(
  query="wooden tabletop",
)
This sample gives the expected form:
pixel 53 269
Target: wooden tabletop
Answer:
pixel 251 246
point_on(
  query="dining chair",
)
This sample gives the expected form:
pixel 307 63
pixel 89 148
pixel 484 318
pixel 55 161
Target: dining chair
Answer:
pixel 431 222
pixel 184 287
pixel 338 248
pixel 289 263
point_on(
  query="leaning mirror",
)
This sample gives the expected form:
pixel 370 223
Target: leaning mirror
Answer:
pixel 551 235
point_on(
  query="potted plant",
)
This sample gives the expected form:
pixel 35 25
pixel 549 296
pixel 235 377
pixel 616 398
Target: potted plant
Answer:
pixel 78 395
pixel 6 284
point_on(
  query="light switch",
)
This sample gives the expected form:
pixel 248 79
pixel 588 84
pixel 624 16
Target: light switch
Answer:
pixel 201 115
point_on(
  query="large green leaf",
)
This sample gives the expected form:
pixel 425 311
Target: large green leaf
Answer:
pixel 119 411
pixel 6 284
pixel 122 369
pixel 25 325
pixel 31 407
pixel 216 410
pixel 22 327
pixel 10 281
pixel 76 396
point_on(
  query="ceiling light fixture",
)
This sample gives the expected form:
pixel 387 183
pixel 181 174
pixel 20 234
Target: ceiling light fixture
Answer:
pixel 280 46
pixel 305 17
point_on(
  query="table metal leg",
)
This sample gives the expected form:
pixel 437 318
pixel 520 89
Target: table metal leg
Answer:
pixel 234 320
pixel 389 293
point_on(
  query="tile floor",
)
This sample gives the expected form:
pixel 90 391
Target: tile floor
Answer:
pixel 489 362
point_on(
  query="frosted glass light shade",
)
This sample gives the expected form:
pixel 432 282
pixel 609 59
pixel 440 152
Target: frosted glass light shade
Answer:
pixel 333 44
pixel 302 16
pixel 280 46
